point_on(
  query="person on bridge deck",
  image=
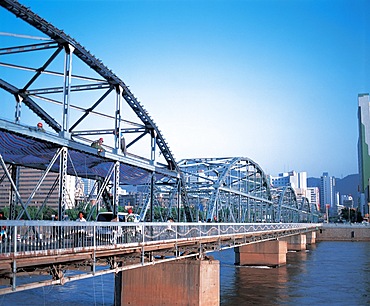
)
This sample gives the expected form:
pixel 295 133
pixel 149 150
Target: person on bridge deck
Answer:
pixel 55 230
pixel 3 234
pixel 79 235
pixel 170 220
pixel 40 127
pixel 130 216
pixel 98 144
pixel 81 217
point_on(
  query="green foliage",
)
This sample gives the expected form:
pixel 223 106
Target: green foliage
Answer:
pixel 33 211
pixel 351 215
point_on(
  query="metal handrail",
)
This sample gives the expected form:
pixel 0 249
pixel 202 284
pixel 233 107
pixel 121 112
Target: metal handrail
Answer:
pixel 35 236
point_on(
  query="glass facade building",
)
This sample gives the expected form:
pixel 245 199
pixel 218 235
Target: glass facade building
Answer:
pixel 363 151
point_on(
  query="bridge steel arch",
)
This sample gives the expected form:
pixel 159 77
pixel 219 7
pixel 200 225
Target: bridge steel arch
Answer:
pixel 48 77
pixel 78 98
pixel 287 205
pixel 108 83
pixel 290 209
pixel 227 189
pixel 309 211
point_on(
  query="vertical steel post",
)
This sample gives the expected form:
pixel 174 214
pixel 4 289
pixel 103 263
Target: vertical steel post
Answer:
pixel 152 180
pixel 153 145
pixel 248 214
pixel 62 182
pixel 117 117
pixel 18 108
pixel 240 197
pixel 116 187
pixel 67 89
pixel 94 254
pixel 178 199
pixel 14 274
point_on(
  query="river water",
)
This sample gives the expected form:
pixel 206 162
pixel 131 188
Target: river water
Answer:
pixel 330 273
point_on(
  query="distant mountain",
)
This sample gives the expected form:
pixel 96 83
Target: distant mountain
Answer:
pixel 313 182
pixel 347 185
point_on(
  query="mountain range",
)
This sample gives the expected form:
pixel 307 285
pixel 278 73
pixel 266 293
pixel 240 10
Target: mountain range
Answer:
pixel 347 185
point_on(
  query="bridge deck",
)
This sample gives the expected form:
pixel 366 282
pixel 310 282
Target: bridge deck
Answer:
pixel 51 247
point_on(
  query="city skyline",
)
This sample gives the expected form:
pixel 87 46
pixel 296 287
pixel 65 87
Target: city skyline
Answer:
pixel 273 81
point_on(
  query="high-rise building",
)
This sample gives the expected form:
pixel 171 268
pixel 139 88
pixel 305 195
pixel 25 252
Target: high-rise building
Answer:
pixel 314 196
pixel 327 193
pixel 363 152
pixel 89 189
pixel 47 194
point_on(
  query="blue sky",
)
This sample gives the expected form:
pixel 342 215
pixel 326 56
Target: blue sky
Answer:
pixel 274 81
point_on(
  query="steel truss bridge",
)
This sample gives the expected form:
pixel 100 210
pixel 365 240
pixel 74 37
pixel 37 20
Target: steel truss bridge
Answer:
pixel 53 79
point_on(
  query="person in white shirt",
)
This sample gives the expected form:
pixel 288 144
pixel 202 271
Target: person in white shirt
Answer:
pixel 81 217
pixel 79 237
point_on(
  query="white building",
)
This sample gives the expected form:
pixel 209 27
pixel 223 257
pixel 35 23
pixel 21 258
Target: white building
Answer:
pixel 292 178
pixel 313 196
pixel 297 180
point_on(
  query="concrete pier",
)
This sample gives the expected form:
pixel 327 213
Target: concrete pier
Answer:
pixel 296 242
pixel 183 282
pixel 311 238
pixel 269 253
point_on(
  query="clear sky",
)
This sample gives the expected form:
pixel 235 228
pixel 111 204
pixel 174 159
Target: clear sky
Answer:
pixel 274 81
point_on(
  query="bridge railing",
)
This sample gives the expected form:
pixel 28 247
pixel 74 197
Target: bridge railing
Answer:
pixel 28 236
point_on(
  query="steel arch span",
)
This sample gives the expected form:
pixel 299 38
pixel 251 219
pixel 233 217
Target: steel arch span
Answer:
pixel 309 211
pixel 56 75
pixel 78 99
pixel 227 190
pixel 288 208
pixel 286 203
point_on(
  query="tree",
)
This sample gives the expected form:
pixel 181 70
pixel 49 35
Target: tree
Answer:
pixel 351 215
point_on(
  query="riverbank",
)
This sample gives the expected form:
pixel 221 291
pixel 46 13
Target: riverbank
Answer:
pixel 344 232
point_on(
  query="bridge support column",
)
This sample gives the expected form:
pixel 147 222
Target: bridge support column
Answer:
pixel 311 238
pixel 268 253
pixel 182 282
pixel 296 242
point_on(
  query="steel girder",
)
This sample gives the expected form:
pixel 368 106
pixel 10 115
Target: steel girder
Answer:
pixel 227 189
pixel 100 84
pixel 49 85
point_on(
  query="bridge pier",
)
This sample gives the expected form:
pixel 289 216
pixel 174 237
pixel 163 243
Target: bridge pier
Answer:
pixel 181 282
pixel 268 253
pixel 296 242
pixel 311 237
